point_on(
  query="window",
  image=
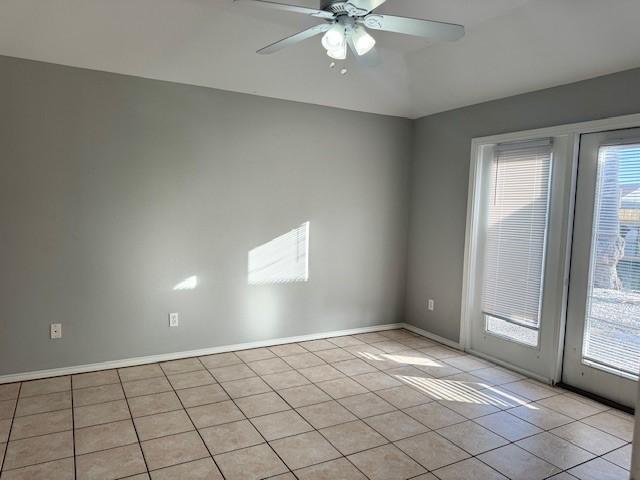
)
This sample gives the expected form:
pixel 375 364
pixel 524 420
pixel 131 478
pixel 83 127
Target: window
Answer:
pixel 517 214
pixel 612 327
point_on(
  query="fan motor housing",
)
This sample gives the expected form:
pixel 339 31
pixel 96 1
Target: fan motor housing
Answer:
pixel 336 7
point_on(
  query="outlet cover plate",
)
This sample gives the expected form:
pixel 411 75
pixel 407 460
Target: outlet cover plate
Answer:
pixel 55 331
pixel 174 319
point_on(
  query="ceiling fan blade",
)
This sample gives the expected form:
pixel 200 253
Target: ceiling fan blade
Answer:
pixel 293 39
pixel 360 8
pixel 291 8
pixel 414 26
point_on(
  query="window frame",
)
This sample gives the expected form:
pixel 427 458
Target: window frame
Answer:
pixel 480 148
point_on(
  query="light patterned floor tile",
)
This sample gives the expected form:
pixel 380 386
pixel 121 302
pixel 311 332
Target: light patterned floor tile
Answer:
pixel 45 386
pixel 599 469
pixel 396 425
pixel 155 403
pixel 190 379
pixel 183 365
pixel 326 414
pixel 366 405
pixel 37 404
pixel 386 463
pixel 335 469
pixel 280 381
pixel 99 394
pixel 472 438
pixel 541 417
pixel 215 414
pixel 269 365
pixel 376 381
pixel 508 426
pixel 434 415
pixel 317 345
pixel 220 360
pixel 304 450
pixel 514 462
pixel 404 397
pixel 204 469
pixel 105 436
pixel 619 426
pixel 251 463
pixel 304 360
pixel 231 436
pixel 469 469
pixel 334 355
pixel 282 424
pixel 555 450
pixel 589 438
pixel 431 450
pixel 342 387
pixel 172 450
pixel 141 372
pixel 111 464
pixel 620 457
pixel 29 451
pixel 193 397
pixel 304 395
pixel 9 391
pixel 95 379
pixel 56 470
pixel 40 424
pixel 101 413
pixel 246 387
pixel 321 373
pixel 262 404
pixel 162 424
pixel 353 437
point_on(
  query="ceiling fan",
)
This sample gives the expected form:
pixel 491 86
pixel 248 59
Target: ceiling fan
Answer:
pixel 346 24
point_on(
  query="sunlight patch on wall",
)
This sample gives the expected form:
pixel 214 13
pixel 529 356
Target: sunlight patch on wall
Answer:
pixel 189 283
pixel 285 259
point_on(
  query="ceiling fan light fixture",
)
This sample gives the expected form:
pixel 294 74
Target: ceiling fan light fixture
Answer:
pixel 362 41
pixel 334 38
pixel 339 53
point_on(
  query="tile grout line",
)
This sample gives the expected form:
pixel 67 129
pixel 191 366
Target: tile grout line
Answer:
pixel 246 418
pixel 573 420
pixel 135 428
pixel 190 419
pixel 13 416
pixel 73 429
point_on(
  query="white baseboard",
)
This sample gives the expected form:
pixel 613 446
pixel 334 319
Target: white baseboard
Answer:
pixel 130 362
pixel 433 336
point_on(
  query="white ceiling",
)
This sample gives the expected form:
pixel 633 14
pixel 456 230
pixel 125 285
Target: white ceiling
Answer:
pixel 511 46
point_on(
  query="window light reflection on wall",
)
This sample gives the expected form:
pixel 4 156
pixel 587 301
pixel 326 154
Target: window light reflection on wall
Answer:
pixel 285 259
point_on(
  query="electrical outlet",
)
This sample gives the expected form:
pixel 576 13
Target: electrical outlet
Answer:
pixel 56 330
pixel 430 305
pixel 174 320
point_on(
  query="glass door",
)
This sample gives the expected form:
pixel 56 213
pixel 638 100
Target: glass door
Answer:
pixel 516 301
pixel 602 340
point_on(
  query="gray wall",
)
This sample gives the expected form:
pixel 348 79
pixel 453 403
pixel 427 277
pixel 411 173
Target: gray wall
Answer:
pixel 440 176
pixel 114 188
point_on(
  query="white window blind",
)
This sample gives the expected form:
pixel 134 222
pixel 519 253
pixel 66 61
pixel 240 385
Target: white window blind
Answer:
pixel 612 327
pixel 516 230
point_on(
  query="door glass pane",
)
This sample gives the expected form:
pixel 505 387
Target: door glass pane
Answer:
pixel 612 328
pixel 515 241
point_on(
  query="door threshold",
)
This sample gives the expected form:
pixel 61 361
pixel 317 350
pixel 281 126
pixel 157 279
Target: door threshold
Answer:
pixel 597 398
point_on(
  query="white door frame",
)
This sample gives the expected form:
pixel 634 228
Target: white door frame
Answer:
pixel 572 134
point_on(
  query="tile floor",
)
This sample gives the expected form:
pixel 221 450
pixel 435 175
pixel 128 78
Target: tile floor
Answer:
pixel 383 406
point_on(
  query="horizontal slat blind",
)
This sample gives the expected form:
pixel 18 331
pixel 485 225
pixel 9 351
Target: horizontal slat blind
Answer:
pixel 516 230
pixel 612 328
